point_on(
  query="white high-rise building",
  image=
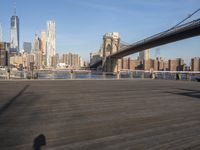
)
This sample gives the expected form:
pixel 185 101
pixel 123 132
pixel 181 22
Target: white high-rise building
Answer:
pixel 144 55
pixel 1 33
pixel 51 42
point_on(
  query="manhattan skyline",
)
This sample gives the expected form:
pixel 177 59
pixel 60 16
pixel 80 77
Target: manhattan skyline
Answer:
pixel 81 25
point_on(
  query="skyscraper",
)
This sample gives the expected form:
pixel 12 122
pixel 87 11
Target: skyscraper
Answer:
pixel 1 33
pixel 14 34
pixel 27 46
pixel 37 44
pixel 44 47
pixel 43 42
pixel 144 55
pixel 37 52
pixel 51 42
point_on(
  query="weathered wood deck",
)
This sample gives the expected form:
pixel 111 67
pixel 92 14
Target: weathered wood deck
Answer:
pixel 100 115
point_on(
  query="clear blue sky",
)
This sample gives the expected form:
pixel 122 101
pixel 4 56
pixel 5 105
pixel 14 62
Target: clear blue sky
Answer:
pixel 80 24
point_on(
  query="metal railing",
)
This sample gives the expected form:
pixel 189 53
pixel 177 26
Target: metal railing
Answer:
pixel 88 75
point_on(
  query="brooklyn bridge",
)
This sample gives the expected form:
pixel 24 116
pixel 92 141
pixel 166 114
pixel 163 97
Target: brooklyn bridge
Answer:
pixel 113 52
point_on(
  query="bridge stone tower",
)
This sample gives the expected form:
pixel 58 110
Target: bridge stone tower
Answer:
pixel 111 44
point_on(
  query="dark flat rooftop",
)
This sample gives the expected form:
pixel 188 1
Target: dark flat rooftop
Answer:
pixel 100 115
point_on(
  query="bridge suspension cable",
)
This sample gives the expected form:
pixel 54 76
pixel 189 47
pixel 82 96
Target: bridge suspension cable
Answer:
pixel 177 25
pixel 125 44
pixel 189 16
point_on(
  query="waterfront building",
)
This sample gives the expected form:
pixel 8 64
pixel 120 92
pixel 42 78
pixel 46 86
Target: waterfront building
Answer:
pixel 38 59
pixel 72 60
pixel 160 64
pixel 166 65
pixel 148 64
pixel 127 63
pixel 66 58
pixel 28 58
pixel 135 64
pixel 172 65
pixel 1 33
pixel 76 60
pixel 51 42
pixel 155 66
pixel 55 60
pixel 24 60
pixel 4 59
pixel 27 46
pixel 195 64
pixel 82 63
pixel 176 64
pixel 16 60
pixel 14 35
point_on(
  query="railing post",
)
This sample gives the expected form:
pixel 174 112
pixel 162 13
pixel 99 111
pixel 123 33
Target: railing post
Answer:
pixel 104 75
pixel 143 75
pixel 118 75
pixel 71 74
pixel 90 75
pixel 8 74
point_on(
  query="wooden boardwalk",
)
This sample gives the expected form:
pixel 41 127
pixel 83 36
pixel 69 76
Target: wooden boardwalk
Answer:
pixel 100 115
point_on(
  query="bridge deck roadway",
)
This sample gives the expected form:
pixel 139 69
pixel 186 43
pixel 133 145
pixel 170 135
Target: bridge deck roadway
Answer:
pixel 100 115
